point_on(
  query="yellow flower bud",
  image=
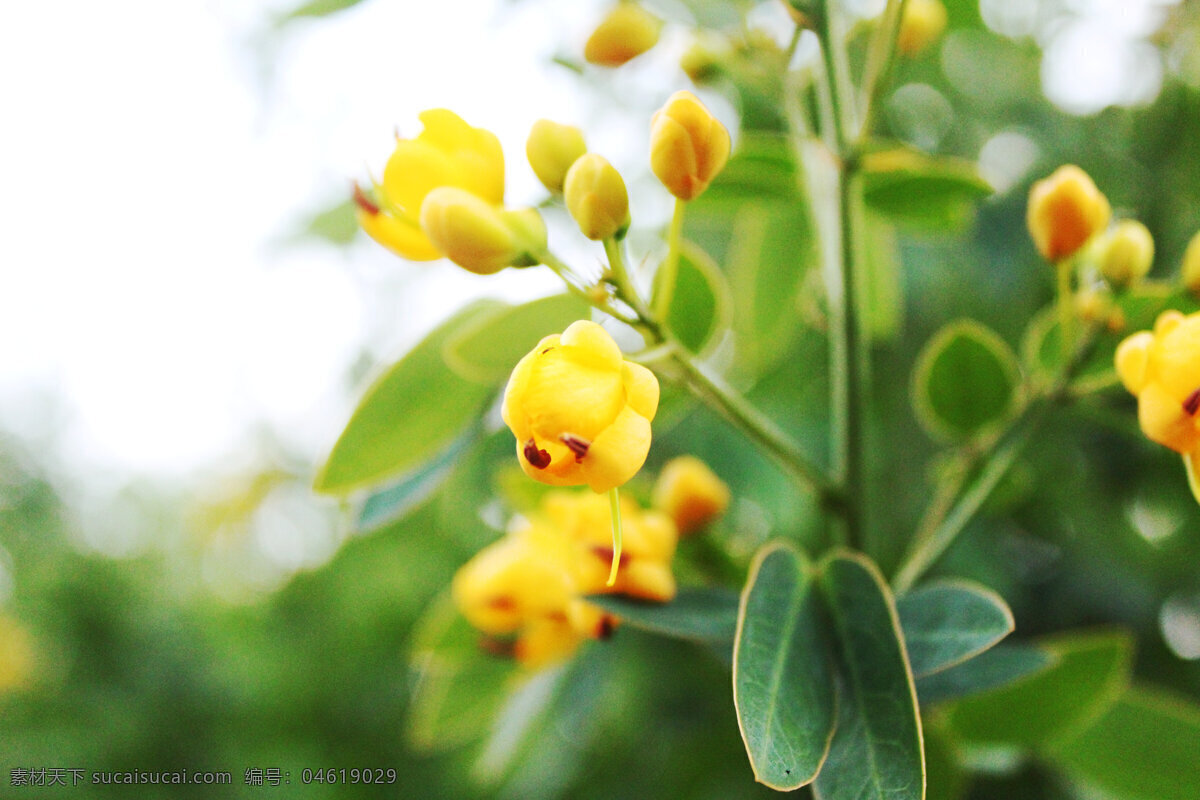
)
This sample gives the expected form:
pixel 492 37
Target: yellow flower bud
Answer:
pixel 705 58
pixel 1125 253
pixel 690 493
pixel 688 146
pixel 1191 265
pixel 923 22
pixel 596 197
pixel 627 32
pixel 1065 211
pixel 551 149
pixel 580 412
pixel 1163 370
pixel 16 655
pixel 478 236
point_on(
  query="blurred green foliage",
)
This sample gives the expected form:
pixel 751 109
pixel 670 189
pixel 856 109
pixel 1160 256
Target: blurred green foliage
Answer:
pixel 135 665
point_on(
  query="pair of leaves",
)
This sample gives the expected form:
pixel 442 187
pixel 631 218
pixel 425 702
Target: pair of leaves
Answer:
pixel 418 409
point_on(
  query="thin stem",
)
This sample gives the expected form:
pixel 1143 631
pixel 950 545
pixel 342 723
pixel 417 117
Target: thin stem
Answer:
pixel 931 542
pixel 1066 308
pixel 614 505
pixel 881 61
pixel 715 392
pixel 848 361
pixel 565 273
pixel 670 267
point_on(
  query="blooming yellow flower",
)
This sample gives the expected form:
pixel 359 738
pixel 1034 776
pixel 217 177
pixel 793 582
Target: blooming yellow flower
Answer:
pixel 1125 253
pixel 580 412
pixel 922 23
pixel 1065 211
pixel 597 198
pixel 551 149
pixel 688 146
pixel 531 584
pixel 469 225
pixel 628 31
pixel 1162 368
pixel 690 493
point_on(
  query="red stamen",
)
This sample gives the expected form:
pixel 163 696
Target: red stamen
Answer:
pixel 539 459
pixel 1191 403
pixel 365 203
pixel 576 445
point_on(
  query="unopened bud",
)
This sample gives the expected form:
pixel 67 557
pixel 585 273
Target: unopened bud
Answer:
pixel 1125 253
pixel 923 22
pixel 597 198
pixel 1065 211
pixel 690 493
pixel 627 32
pixel 688 146
pixel 552 148
pixel 478 236
pixel 1191 265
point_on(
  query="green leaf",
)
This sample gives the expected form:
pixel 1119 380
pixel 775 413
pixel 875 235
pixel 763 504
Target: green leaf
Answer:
pixel 337 224
pixel 948 622
pixel 486 349
pixel 1055 704
pixel 1145 747
pixel 409 414
pixel 458 688
pixel 966 381
pixel 1002 665
pixel 698 614
pixel 877 752
pixel 317 8
pixel 700 303
pixel 393 502
pixel 911 188
pixel 782 677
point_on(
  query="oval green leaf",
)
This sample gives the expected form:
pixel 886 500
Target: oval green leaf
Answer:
pixel 915 189
pixel 407 416
pixel 877 752
pixel 782 678
pixel 1145 747
pixel 393 502
pixel 486 349
pixel 1002 665
pixel 700 614
pixel 1091 673
pixel 948 622
pixel 700 301
pixel 966 381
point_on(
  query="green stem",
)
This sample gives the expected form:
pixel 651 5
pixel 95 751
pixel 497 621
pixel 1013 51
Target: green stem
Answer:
pixel 715 392
pixel 848 358
pixel 935 537
pixel 1066 306
pixel 670 267
pixel 565 273
pixel 881 61
pixel 614 505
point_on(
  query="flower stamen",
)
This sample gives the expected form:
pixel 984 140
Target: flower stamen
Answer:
pixel 535 456
pixel 576 445
pixel 1191 403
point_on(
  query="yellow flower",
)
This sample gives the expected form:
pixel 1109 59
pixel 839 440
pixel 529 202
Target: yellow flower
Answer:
pixel 447 154
pixel 690 493
pixel 1125 253
pixel 531 584
pixel 627 32
pixel 478 236
pixel 580 412
pixel 1191 265
pixel 1065 211
pixel 923 22
pixel 16 655
pixel 688 146
pixel 551 149
pixel 1162 368
pixel 597 198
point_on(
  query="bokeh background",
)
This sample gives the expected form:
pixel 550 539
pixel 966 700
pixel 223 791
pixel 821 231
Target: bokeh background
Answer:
pixel 187 319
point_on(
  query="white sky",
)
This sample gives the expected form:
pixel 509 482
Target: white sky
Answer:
pixel 151 162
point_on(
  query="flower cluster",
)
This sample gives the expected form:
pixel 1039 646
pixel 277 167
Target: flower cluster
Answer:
pixel 532 584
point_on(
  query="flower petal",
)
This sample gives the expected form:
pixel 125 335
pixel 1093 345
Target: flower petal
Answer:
pixel 618 452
